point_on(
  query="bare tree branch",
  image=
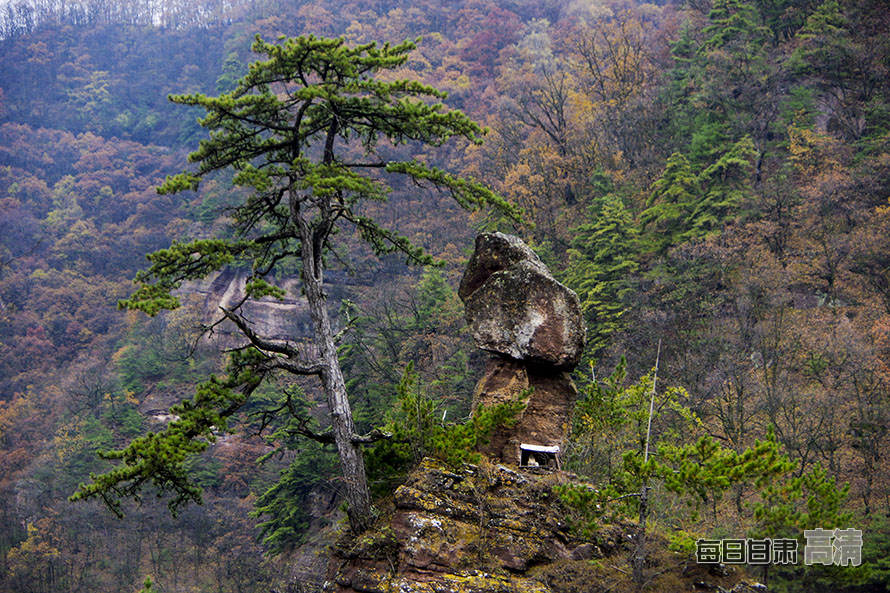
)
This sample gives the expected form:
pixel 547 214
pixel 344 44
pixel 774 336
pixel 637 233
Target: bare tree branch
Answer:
pixel 277 346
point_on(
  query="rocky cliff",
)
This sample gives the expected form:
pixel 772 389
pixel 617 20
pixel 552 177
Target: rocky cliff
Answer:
pixel 490 528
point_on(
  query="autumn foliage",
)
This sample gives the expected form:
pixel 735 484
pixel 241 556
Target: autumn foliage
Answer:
pixel 711 174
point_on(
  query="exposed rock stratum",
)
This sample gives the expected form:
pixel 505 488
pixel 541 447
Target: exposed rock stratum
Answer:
pixel 492 528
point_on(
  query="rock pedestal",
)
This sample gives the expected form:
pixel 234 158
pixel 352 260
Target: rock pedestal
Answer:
pixel 534 330
pixel 477 529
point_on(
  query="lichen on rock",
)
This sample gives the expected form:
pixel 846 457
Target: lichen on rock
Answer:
pixel 493 528
pixel 478 529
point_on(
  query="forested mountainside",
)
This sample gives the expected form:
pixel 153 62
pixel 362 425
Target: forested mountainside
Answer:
pixel 712 176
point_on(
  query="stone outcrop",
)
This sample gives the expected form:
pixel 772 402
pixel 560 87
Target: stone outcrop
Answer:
pixel 490 528
pixel 534 329
pixel 495 527
pixel 479 529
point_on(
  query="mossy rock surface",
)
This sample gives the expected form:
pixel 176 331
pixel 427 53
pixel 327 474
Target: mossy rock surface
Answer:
pixel 493 528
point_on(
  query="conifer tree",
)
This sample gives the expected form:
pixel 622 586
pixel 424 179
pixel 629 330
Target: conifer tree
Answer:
pixel 726 183
pixel 674 196
pixel 302 133
pixel 684 205
pixel 601 261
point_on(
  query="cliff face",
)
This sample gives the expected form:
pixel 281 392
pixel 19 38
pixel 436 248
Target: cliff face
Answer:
pixel 276 319
pixel 491 528
pixel 486 528
pixel 284 319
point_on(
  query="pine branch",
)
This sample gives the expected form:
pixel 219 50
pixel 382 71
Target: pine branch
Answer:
pixel 277 346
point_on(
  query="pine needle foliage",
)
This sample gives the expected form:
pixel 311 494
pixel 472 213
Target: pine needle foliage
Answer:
pixel 419 430
pixel 601 263
pixel 609 435
pixel 161 459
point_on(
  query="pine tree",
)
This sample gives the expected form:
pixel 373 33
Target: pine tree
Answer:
pixel 601 261
pixel 684 205
pixel 727 184
pixel 674 196
pixel 301 131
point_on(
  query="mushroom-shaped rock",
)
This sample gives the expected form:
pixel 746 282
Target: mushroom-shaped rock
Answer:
pixel 515 308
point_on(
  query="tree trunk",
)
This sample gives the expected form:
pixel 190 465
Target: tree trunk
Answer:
pixel 639 556
pixel 352 464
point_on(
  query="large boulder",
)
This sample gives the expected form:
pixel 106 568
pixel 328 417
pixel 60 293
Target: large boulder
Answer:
pixel 515 308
